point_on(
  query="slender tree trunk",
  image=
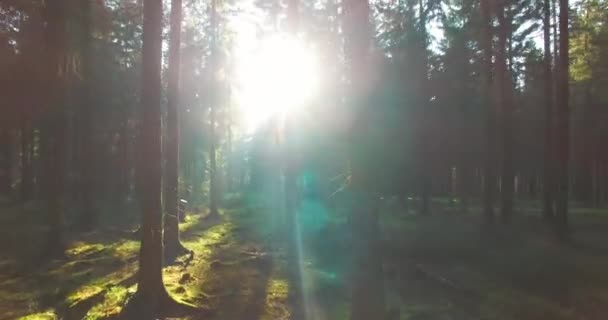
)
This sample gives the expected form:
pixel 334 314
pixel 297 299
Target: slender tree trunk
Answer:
pixel 5 161
pixel 503 93
pixel 55 123
pixel 588 153
pixel 465 177
pixel 426 157
pixel 173 246
pixel 88 149
pixel 292 233
pixel 26 160
pixel 123 161
pixel 595 177
pixel 555 34
pixel 548 159
pixel 367 300
pixel 213 183
pixel 229 155
pixel 489 191
pixel 563 129
pixel 150 289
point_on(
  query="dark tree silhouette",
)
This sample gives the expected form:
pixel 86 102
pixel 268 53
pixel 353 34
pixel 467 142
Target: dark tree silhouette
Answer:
pixel 173 246
pixel 53 133
pixel 367 293
pixel 489 192
pixel 503 92
pixel 548 171
pixel 87 147
pixel 563 124
pixel 214 95
pixel 150 287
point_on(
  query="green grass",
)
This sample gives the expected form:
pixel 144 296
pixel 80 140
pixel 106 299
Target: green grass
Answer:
pixel 48 315
pixel 516 272
pixel 509 273
pixel 112 304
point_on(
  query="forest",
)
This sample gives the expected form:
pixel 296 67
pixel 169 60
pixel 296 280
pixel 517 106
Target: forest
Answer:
pixel 304 159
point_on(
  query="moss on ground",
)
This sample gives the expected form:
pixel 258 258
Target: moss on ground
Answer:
pixel 98 277
pixel 239 271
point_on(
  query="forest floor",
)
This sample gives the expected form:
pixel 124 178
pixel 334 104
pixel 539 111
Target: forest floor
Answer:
pixel 438 267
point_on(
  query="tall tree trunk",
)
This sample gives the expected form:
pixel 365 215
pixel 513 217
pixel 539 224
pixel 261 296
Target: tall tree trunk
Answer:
pixel 555 39
pixel 26 160
pixel 585 188
pixel 173 246
pixel 5 161
pixel 292 233
pixel 213 183
pixel 150 288
pixel 548 170
pixel 367 300
pixel 464 181
pixel 426 157
pixel 563 125
pixel 88 149
pixel 229 154
pixel 503 84
pixel 489 192
pixel 55 123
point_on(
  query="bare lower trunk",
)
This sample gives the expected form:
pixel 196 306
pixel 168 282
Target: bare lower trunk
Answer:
pixel 563 126
pixel 368 290
pixel 548 160
pixel 26 161
pixel 490 160
pixel 54 127
pixel 425 195
pixel 367 299
pixel 213 183
pixel 173 246
pixel 54 182
pixel 150 288
pixel 88 149
pixel 5 162
pixel 503 91
pixel 464 185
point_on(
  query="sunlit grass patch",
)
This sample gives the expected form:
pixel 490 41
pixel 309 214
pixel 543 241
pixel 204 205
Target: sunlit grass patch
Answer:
pixel 185 282
pixel 99 284
pixel 113 302
pixel 125 248
pixel 80 248
pixel 277 289
pixel 47 315
pixel 190 221
pixel 277 293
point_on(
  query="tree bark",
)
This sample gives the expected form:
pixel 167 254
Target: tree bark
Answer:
pixel 489 185
pixel 88 167
pixel 5 161
pixel 548 160
pixel 54 128
pixel 367 291
pixel 213 183
pixel 26 160
pixel 292 233
pixel 503 92
pixel 427 136
pixel 563 125
pixel 173 246
pixel 150 288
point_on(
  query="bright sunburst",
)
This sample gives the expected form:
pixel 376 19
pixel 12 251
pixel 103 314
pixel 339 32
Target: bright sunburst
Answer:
pixel 279 74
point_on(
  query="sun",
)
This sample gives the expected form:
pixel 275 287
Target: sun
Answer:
pixel 280 73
